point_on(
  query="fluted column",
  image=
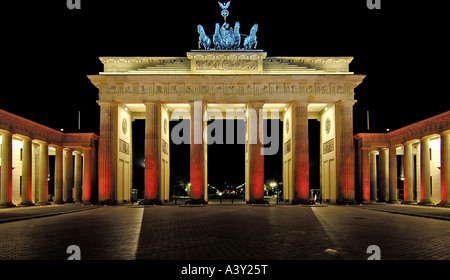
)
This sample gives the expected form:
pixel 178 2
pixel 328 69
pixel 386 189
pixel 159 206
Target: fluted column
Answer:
pixel 107 153
pixel 256 156
pixel 43 173
pixel 300 148
pixel 365 174
pixel 373 176
pixel 197 154
pixel 345 153
pixel 6 170
pixel 77 177
pixel 425 186
pixel 383 175
pixel 87 175
pixel 27 180
pixel 152 153
pixel 408 173
pixel 68 176
pixel 445 168
pixel 58 175
pixel 393 174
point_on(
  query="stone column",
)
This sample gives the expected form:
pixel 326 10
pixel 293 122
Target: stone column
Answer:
pixel 445 168
pixel 365 174
pixel 197 175
pixel 6 170
pixel 87 175
pixel 345 154
pixel 373 176
pixel 425 186
pixel 68 176
pixel 393 174
pixel 255 150
pixel 300 156
pixel 152 153
pixel 383 175
pixel 77 177
pixel 408 173
pixel 58 175
pixel 43 173
pixel 107 154
pixel 27 179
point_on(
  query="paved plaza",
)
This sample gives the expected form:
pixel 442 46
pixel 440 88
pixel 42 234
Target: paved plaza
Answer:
pixel 225 232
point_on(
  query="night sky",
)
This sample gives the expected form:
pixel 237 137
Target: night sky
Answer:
pixel 49 50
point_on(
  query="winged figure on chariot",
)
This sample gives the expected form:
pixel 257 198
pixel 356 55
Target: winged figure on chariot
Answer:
pixel 225 37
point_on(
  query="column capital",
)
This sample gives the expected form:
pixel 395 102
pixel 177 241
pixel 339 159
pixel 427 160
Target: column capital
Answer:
pixel 106 103
pixel 446 132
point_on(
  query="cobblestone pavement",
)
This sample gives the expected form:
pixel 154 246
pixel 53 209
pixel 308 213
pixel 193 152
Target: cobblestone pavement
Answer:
pixel 226 232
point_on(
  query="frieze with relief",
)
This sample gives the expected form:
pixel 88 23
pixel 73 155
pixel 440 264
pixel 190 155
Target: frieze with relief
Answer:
pixel 224 88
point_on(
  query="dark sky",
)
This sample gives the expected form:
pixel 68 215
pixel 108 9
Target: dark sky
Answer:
pixel 50 50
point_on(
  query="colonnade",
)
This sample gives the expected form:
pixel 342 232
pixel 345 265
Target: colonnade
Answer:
pixel 379 168
pixel 74 170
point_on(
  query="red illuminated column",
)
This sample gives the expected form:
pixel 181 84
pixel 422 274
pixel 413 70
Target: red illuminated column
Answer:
pixel 107 154
pixel 365 175
pixel 43 174
pixel 256 156
pixel 408 173
pixel 393 174
pixel 152 153
pixel 87 175
pixel 445 168
pixel 58 175
pixel 383 175
pixel 345 176
pixel 6 170
pixel 373 176
pixel 300 147
pixel 197 159
pixel 425 186
pixel 27 181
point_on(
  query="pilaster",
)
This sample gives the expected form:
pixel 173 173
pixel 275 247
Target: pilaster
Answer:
pixel 445 168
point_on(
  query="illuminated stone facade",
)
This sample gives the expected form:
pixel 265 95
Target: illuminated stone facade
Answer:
pixel 423 149
pixel 26 147
pixel 298 88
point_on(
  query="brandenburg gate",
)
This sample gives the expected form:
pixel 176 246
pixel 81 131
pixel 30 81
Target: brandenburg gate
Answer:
pixel 299 88
pixel 227 74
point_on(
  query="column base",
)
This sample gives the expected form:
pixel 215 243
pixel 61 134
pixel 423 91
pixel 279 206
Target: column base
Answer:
pixel 408 202
pixel 152 202
pixel 196 201
pixel 58 202
pixel 426 202
pixel 300 201
pixel 394 202
pixel 257 201
pixel 7 204
pixel 367 201
pixel 107 202
pixel 28 203
pixel 43 203
pixel 444 203
pixel 345 202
